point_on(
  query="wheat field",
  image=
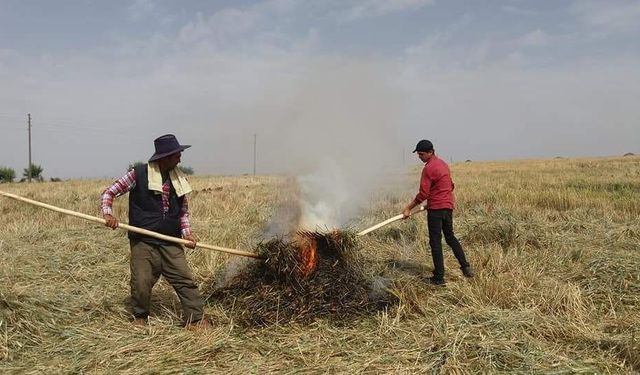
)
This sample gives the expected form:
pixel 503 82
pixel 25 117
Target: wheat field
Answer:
pixel 555 243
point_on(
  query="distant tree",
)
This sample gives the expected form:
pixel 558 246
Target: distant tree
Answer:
pixel 135 164
pixel 35 171
pixel 186 170
pixel 7 174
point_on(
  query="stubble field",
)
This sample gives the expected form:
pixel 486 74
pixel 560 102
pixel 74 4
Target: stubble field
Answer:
pixel 555 243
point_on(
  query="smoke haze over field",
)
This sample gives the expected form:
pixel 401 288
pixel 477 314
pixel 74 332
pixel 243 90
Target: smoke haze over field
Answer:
pixel 339 136
pixel 335 91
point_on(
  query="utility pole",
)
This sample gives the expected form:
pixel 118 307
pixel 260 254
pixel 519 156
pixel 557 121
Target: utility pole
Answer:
pixel 255 137
pixel 29 131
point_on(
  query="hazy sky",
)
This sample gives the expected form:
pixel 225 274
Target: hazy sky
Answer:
pixel 347 83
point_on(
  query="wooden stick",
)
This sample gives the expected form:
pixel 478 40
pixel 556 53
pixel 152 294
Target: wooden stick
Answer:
pixel 130 228
pixel 388 221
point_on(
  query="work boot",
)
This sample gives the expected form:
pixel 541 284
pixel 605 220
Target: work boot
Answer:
pixel 467 271
pixel 139 322
pixel 198 325
pixel 436 280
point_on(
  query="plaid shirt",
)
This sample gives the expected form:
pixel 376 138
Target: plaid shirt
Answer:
pixel 128 182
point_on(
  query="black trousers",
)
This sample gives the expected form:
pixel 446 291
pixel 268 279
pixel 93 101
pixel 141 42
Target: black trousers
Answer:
pixel 441 221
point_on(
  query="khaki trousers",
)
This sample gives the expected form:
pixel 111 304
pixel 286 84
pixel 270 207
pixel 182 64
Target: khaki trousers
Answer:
pixel 148 262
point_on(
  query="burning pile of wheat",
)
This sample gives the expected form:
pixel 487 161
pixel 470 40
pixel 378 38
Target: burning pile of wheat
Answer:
pixel 305 276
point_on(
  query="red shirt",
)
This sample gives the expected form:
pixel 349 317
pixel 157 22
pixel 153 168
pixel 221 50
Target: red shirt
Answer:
pixel 436 186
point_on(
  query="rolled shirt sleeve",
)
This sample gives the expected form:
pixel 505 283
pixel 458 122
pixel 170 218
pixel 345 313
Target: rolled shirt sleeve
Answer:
pixel 121 186
pixel 185 226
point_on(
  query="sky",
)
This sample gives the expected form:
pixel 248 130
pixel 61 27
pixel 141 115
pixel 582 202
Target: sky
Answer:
pixel 325 88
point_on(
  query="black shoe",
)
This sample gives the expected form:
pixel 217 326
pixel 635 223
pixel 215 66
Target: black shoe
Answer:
pixel 436 280
pixel 467 271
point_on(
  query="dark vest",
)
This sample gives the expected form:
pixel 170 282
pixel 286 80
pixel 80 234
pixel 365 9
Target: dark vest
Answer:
pixel 145 210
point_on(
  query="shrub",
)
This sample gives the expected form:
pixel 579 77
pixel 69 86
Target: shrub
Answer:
pixel 186 170
pixel 134 164
pixel 35 171
pixel 7 174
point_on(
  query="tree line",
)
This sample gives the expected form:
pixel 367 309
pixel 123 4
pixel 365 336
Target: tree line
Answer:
pixel 35 172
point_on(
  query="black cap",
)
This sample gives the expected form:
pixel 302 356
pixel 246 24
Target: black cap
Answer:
pixel 424 146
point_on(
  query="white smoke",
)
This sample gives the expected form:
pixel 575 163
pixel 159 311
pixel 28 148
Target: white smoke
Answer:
pixel 325 199
pixel 339 138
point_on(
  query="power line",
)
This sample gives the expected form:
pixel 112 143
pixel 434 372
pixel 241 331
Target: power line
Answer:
pixel 14 117
pixel 68 123
pixel 104 131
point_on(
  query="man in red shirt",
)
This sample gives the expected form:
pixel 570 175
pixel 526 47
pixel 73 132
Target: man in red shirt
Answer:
pixel 436 187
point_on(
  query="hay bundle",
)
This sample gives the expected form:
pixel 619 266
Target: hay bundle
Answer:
pixel 279 290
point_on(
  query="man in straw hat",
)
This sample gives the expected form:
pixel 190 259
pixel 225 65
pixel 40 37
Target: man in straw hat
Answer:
pixel 158 202
pixel 436 187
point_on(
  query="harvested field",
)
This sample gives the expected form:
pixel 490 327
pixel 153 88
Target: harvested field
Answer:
pixel 556 246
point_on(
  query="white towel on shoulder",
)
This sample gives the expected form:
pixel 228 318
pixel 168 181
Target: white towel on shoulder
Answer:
pixel 178 179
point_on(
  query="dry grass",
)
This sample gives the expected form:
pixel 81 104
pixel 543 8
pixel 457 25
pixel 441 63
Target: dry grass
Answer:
pixel 556 245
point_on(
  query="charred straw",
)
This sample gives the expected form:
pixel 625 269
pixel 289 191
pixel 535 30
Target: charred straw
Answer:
pixel 276 291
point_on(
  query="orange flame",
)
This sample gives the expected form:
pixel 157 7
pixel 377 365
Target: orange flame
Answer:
pixel 308 251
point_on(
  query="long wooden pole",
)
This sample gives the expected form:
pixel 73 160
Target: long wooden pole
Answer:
pixel 130 228
pixel 388 221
